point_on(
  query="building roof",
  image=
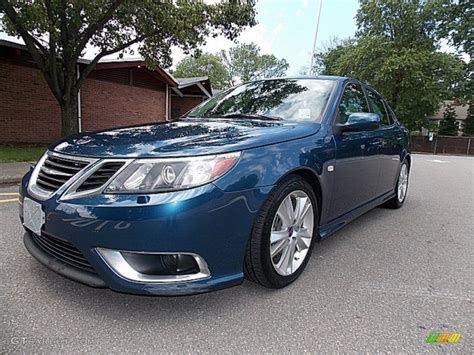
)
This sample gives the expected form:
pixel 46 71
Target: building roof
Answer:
pixel 12 44
pixel 200 84
pixel 190 81
pixel 461 110
pixel 136 64
pixel 15 45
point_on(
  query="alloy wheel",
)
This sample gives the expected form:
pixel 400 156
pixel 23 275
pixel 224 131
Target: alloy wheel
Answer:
pixel 402 183
pixel 291 233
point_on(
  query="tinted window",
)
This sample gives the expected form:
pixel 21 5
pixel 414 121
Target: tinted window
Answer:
pixel 393 116
pixel 378 106
pixel 352 100
pixel 292 99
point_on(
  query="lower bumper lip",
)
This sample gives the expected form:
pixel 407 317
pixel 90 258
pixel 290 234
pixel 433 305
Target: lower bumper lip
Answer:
pixel 59 267
pixel 115 260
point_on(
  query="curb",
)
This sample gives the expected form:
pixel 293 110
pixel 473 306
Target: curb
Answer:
pixel 11 173
pixel 10 181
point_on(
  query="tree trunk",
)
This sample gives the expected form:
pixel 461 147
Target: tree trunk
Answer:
pixel 69 116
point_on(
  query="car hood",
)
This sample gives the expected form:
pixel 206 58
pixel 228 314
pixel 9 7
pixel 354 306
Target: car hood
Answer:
pixel 186 137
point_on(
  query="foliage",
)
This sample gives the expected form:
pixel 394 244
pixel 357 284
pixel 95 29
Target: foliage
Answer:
pixel 244 63
pixel 468 128
pixel 56 33
pixel 448 127
pixel 402 22
pixel 207 64
pixel 325 61
pixel 395 51
pixel 238 64
pixel 456 23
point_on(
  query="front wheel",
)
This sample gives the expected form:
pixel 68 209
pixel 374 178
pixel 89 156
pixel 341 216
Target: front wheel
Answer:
pixel 401 190
pixel 283 235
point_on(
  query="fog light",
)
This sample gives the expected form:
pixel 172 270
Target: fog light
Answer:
pixel 162 264
pixel 155 267
pixel 171 261
pixel 179 264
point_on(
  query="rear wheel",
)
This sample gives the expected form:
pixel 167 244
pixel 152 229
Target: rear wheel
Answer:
pixel 401 189
pixel 283 235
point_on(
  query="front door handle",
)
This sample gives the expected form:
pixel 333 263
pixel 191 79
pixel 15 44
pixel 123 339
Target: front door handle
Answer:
pixel 377 142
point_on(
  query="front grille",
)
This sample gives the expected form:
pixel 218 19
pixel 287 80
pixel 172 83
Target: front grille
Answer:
pixel 100 176
pixel 62 251
pixel 56 171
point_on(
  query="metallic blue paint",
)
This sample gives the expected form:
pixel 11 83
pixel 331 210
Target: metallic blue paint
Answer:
pixel 187 137
pixel 176 221
pixel 215 220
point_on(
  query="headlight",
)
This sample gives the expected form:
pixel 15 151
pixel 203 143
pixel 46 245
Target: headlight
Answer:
pixel 155 175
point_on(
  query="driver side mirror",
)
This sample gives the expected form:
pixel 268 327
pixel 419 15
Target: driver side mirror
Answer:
pixel 360 121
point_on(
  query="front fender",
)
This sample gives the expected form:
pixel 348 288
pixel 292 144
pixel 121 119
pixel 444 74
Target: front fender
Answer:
pixel 265 166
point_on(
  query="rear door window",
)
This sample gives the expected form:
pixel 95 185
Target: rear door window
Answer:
pixel 378 106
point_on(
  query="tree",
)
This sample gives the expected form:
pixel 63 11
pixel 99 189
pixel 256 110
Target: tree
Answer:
pixel 395 51
pixel 402 22
pixel 468 128
pixel 207 64
pixel 456 24
pixel 448 127
pixel 56 33
pixel 244 63
pixel 326 59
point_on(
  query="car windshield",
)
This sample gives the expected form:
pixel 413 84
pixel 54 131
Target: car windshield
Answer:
pixel 276 99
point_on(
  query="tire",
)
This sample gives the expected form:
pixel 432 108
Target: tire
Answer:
pixel 398 201
pixel 259 265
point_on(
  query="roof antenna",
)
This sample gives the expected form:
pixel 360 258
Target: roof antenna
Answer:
pixel 310 70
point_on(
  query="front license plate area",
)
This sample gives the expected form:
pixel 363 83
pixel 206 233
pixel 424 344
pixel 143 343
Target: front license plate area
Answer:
pixel 33 216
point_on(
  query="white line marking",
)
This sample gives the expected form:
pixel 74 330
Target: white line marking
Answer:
pixel 437 161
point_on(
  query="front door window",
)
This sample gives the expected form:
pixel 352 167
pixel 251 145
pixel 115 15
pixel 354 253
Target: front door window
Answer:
pixel 352 100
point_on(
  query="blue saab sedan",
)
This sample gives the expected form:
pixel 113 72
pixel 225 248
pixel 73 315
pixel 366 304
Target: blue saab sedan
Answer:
pixel 241 187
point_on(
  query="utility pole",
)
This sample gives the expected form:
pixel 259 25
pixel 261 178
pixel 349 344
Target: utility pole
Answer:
pixel 310 70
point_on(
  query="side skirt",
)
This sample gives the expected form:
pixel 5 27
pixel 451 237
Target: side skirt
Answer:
pixel 330 228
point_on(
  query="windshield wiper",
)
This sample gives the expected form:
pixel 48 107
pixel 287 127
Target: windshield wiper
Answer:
pixel 251 115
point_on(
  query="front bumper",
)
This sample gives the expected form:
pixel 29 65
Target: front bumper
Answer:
pixel 203 221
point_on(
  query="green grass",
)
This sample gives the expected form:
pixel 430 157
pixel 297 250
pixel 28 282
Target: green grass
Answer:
pixel 15 154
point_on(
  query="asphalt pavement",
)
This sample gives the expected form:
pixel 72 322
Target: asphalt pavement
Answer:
pixel 381 284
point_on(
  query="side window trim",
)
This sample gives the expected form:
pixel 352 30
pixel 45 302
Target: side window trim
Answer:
pixel 382 100
pixel 393 116
pixel 389 113
pixel 369 103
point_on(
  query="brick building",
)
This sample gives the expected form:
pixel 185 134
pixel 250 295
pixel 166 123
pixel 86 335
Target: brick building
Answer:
pixel 116 93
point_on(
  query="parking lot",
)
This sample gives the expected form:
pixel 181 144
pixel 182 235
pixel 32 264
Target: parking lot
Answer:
pixel 383 283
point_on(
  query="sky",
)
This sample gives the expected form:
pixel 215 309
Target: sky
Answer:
pixel 286 29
